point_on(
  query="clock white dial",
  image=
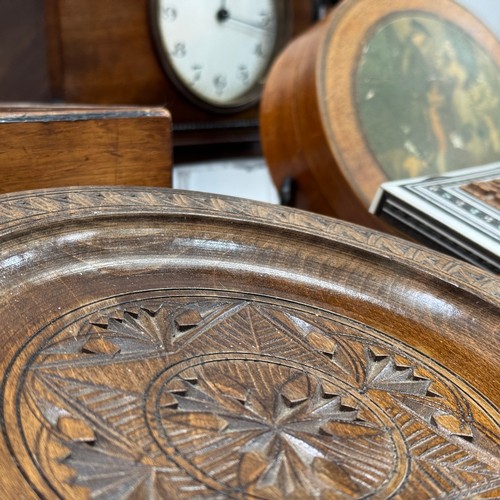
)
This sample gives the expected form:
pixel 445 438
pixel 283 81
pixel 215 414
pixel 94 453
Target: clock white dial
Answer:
pixel 218 50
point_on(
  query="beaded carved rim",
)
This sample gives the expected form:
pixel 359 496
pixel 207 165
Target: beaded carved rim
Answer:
pixel 19 211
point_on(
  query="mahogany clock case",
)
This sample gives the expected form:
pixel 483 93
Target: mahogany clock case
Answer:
pixel 380 91
pixel 105 52
pixel 170 344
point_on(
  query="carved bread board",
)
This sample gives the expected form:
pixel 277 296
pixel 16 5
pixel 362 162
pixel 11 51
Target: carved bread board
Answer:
pixel 380 91
pixel 171 344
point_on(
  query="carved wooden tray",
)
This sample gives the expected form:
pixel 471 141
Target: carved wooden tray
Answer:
pixel 166 344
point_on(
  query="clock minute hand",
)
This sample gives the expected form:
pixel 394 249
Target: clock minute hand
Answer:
pixel 224 16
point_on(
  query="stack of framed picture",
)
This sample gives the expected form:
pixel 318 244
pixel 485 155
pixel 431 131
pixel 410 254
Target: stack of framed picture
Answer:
pixel 458 212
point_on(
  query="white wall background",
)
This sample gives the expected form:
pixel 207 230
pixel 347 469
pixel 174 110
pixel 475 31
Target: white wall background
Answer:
pixel 486 10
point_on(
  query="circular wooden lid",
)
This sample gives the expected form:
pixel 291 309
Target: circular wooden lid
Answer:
pixel 381 91
pixel 175 344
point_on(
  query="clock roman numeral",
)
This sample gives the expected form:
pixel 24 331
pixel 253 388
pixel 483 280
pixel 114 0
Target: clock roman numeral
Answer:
pixel 265 19
pixel 243 73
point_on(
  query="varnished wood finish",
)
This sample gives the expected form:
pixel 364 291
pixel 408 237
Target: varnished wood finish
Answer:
pixel 61 146
pixel 179 345
pixel 310 127
pixel 104 52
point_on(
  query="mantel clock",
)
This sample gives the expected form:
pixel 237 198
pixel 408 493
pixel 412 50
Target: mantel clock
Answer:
pixel 205 60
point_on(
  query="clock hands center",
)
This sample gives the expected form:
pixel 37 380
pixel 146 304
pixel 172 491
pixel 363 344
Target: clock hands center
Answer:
pixel 223 16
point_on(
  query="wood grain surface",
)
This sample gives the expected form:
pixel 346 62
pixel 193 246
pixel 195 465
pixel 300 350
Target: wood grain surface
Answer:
pixel 176 344
pixel 58 146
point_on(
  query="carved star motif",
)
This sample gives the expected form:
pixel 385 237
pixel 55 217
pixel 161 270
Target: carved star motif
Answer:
pixel 225 397
pixel 284 428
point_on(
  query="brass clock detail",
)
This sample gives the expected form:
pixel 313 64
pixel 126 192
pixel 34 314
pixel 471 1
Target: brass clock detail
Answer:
pixel 218 52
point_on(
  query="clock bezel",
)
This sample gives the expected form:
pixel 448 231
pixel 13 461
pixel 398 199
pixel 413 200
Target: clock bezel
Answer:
pixel 246 100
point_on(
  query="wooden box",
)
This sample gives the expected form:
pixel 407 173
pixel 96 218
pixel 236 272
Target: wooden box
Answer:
pixel 58 146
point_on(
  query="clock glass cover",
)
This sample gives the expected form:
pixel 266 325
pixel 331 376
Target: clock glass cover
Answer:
pixel 218 51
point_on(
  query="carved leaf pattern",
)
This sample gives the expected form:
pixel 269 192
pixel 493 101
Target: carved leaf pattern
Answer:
pixel 384 374
pixel 112 477
pixel 215 397
pixel 128 335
